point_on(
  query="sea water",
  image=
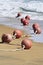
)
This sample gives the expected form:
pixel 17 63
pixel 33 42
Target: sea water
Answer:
pixel 33 8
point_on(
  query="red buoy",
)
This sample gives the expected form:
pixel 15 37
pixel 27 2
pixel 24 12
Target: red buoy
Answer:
pixel 35 26
pixel 25 22
pixel 26 43
pixel 6 38
pixel 19 14
pixel 17 33
pixel 27 17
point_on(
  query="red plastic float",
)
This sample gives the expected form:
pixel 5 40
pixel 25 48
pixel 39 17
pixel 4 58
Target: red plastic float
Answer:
pixel 19 14
pixel 25 22
pixel 17 33
pixel 26 43
pixel 35 26
pixel 6 38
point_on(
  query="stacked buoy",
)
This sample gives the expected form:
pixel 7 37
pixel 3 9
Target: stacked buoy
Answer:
pixel 25 21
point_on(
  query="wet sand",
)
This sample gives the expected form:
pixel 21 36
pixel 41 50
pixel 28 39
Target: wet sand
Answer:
pixel 10 56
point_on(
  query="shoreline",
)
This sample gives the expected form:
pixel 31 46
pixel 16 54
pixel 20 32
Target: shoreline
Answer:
pixel 16 24
pixel 10 55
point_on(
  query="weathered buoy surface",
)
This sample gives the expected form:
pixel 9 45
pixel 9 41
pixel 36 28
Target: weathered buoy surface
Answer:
pixel 27 17
pixel 6 38
pixel 26 43
pixel 17 33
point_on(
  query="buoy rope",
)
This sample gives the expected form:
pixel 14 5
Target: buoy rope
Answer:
pixel 11 50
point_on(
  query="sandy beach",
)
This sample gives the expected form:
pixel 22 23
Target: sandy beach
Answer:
pixel 9 55
pixel 12 53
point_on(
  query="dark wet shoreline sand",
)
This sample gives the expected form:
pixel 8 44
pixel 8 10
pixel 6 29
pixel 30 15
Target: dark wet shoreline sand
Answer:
pixel 33 56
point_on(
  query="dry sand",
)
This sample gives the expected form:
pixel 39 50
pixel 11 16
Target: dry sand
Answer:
pixel 10 56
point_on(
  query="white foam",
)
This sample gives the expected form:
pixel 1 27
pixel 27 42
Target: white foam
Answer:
pixel 11 7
